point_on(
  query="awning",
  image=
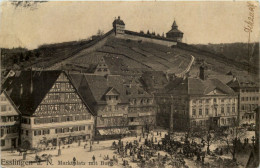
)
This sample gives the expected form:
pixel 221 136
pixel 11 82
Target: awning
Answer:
pixel 113 131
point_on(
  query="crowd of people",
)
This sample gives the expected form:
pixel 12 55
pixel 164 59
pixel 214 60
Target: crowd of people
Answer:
pixel 147 151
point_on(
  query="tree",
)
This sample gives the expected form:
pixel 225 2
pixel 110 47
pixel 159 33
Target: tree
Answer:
pixel 206 136
pixel 21 57
pixel 153 33
pixel 15 60
pixel 28 55
pixel 117 126
pixel 231 137
pixel 37 54
pixel 141 32
pixel 148 32
pixel 100 32
pixel 148 123
pixel 163 34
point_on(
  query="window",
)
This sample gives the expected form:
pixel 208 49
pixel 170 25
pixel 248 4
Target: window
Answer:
pixel 200 101
pixel 222 120
pixel 54 119
pixel 37 132
pixel 66 130
pixel 27 132
pixel 3 108
pixel 200 111
pixel 194 112
pixel 228 109
pixel 89 127
pixel 2 132
pixel 75 129
pixel 222 100
pixel 22 131
pixel 58 130
pixel 3 119
pixel 194 101
pixel 3 142
pixel 215 100
pixel 45 132
pixel 207 111
pixel 207 100
pixel 222 110
pixel 82 128
pixel 69 118
pixel 242 98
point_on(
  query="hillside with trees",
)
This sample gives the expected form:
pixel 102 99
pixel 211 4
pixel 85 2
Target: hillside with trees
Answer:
pixel 244 53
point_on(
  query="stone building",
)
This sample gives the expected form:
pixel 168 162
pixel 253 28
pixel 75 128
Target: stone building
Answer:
pixel 53 112
pixel 106 96
pixel 119 26
pixel 196 102
pixel 120 32
pixel 142 107
pixel 10 122
pixel 248 92
pixel 175 33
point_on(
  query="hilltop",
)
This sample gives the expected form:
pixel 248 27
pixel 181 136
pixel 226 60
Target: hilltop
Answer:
pixel 126 57
pixel 125 52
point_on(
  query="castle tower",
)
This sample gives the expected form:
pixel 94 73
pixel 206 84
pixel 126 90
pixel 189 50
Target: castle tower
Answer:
pixel 175 33
pixel 119 26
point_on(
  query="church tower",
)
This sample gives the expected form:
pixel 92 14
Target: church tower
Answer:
pixel 119 26
pixel 175 33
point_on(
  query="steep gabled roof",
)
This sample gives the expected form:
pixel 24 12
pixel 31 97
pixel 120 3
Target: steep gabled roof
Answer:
pixel 93 88
pixel 112 92
pixel 28 88
pixel 241 81
pixel 135 91
pixel 11 101
pixel 196 86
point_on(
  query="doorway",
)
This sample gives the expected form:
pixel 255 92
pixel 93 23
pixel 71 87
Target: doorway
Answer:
pixel 13 142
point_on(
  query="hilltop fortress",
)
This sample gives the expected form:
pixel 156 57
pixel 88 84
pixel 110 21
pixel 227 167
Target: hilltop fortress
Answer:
pixel 172 37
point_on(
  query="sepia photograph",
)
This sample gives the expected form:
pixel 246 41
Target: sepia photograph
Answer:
pixel 129 84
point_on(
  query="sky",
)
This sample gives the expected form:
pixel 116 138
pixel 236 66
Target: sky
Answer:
pixel 55 22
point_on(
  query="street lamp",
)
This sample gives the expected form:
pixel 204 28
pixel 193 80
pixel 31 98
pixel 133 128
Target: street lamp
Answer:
pixel 253 140
pixel 59 150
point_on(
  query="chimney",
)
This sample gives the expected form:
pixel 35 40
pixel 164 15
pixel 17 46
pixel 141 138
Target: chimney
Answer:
pixel 106 76
pixel 234 78
pixel 167 76
pixel 21 90
pixel 202 73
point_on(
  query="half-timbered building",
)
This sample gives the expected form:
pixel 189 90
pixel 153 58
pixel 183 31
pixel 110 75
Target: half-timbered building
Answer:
pixel 53 113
